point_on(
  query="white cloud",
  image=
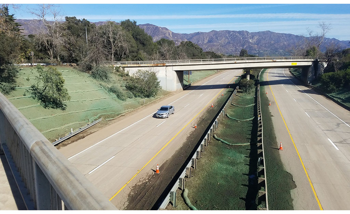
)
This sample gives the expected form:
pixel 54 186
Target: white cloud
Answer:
pixel 224 16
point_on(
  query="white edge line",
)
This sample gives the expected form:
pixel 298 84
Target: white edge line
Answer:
pixel 161 123
pixel 328 110
pixel 321 105
pixel 186 105
pixel 109 136
pixel 307 114
pixel 333 144
pixel 101 165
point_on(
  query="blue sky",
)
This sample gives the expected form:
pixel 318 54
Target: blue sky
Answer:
pixel 296 19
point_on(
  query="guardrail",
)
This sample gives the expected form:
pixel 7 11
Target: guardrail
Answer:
pixel 262 180
pixel 75 132
pixel 44 176
pixel 223 60
pixel 191 163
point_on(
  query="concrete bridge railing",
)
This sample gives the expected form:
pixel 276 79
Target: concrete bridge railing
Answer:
pixel 44 176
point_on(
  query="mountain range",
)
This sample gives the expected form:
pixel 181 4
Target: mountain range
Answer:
pixel 264 43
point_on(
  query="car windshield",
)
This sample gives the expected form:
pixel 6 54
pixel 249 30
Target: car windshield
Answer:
pixel 163 108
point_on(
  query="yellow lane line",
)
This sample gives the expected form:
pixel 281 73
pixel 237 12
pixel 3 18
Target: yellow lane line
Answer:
pixel 167 144
pixel 302 163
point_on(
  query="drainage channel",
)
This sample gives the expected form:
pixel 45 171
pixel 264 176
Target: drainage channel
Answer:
pixel 256 193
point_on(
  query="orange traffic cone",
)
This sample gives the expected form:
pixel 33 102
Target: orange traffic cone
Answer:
pixel 269 103
pixel 195 126
pixel 222 94
pixel 157 171
pixel 212 105
pixel 281 148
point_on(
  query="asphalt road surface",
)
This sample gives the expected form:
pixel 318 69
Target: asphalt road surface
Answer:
pixel 315 135
pixel 126 152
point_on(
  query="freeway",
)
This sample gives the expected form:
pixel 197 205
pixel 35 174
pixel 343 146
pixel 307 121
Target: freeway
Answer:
pixel 128 151
pixel 315 134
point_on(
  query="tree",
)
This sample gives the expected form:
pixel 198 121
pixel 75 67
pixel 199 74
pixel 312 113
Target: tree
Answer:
pixel 75 37
pixel 115 40
pixel 143 84
pixel 312 51
pixel 10 43
pixel 97 53
pixel 49 88
pixel 166 49
pixel 243 53
pixel 10 37
pixel 190 50
pixel 49 33
pixel 211 55
pixel 146 48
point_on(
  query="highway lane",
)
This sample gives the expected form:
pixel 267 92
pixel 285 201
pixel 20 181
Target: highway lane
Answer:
pixel 320 130
pixel 124 153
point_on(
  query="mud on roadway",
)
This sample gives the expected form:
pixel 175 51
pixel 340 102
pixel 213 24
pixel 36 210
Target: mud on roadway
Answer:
pixel 145 195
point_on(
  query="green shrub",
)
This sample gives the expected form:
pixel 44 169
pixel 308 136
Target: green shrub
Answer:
pixel 129 94
pixel 121 72
pixel 143 84
pixel 6 88
pixel 115 89
pixel 332 82
pixel 8 75
pixel 101 73
pixel 246 85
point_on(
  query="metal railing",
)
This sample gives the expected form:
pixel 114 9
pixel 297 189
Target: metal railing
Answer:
pixel 44 176
pixel 216 60
pixel 262 180
pixel 60 140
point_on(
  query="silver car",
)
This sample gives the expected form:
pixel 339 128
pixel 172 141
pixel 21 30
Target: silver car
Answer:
pixel 165 111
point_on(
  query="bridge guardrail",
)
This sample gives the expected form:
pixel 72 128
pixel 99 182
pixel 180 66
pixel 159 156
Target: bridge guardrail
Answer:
pixel 45 174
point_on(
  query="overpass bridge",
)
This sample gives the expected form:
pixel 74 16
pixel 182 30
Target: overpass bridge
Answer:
pixel 170 72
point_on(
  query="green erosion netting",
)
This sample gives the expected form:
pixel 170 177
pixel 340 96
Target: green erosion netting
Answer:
pixel 221 180
pixel 279 182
